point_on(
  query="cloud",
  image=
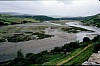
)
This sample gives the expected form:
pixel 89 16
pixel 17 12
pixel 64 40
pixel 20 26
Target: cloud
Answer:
pixel 66 2
pixel 55 7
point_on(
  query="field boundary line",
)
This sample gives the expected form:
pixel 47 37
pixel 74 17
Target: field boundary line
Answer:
pixel 65 61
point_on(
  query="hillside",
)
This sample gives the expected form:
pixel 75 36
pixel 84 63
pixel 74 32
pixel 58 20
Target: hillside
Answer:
pixel 9 20
pixel 6 19
pixel 41 18
pixel 72 18
pixel 94 20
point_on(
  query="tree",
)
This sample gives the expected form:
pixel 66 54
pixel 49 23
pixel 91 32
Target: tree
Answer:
pixel 20 60
pixel 27 56
pixel 20 54
pixel 96 47
pixel 96 38
pixel 57 49
pixel 44 52
pixel 86 39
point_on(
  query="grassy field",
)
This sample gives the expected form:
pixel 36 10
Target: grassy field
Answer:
pixel 81 57
pixel 48 57
pixel 80 54
pixel 13 20
pixel 62 58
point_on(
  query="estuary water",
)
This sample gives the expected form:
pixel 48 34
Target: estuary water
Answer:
pixel 8 49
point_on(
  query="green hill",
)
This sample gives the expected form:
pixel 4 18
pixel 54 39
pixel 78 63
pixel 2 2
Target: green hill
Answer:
pixel 9 19
pixel 94 20
pixel 6 19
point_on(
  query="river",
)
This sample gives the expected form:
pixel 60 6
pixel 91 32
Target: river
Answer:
pixel 81 35
pixel 8 49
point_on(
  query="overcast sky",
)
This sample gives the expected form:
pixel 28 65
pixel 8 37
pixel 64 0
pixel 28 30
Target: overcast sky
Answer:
pixel 52 7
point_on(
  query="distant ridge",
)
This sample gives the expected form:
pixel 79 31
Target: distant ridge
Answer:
pixel 11 13
pixel 44 17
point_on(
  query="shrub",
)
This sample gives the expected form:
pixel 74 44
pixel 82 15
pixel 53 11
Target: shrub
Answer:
pixel 86 39
pixel 97 38
pixel 96 47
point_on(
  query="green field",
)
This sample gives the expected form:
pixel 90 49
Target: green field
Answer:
pixel 8 20
pixel 62 58
pixel 81 57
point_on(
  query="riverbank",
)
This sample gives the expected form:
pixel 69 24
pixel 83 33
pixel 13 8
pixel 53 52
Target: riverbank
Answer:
pixel 8 49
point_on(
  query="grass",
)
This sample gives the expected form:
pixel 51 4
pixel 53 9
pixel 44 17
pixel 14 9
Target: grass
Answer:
pixel 13 19
pixel 62 58
pixel 78 60
pixel 48 57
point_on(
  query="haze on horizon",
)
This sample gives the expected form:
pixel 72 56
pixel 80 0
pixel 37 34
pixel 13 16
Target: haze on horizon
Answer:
pixel 54 7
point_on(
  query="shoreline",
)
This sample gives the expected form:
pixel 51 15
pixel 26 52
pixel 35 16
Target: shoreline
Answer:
pixel 33 46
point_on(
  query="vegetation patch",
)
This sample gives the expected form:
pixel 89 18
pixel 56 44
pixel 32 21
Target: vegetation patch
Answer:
pixel 94 20
pixel 76 51
pixel 18 37
pixel 22 33
pixel 10 20
pixel 78 60
pixel 73 29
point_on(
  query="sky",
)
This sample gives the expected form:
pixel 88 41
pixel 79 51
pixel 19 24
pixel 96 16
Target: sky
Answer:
pixel 52 7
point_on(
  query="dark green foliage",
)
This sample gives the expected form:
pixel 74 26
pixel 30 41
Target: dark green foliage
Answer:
pixel 36 59
pixel 96 47
pixel 19 37
pixel 70 47
pixel 96 41
pixel 97 38
pixel 94 20
pixel 42 18
pixel 86 39
pixel 41 35
pixel 28 55
pixel 20 60
pixel 84 44
pixel 57 49
pixel 20 54
pixel 44 52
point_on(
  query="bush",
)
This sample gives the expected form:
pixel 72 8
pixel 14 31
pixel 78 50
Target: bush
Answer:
pixel 27 56
pixel 57 49
pixel 86 39
pixel 97 38
pixel 20 54
pixel 96 47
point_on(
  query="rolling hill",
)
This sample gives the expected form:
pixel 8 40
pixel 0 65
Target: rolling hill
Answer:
pixel 93 20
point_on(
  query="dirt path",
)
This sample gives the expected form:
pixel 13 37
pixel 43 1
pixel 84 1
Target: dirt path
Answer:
pixel 65 61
